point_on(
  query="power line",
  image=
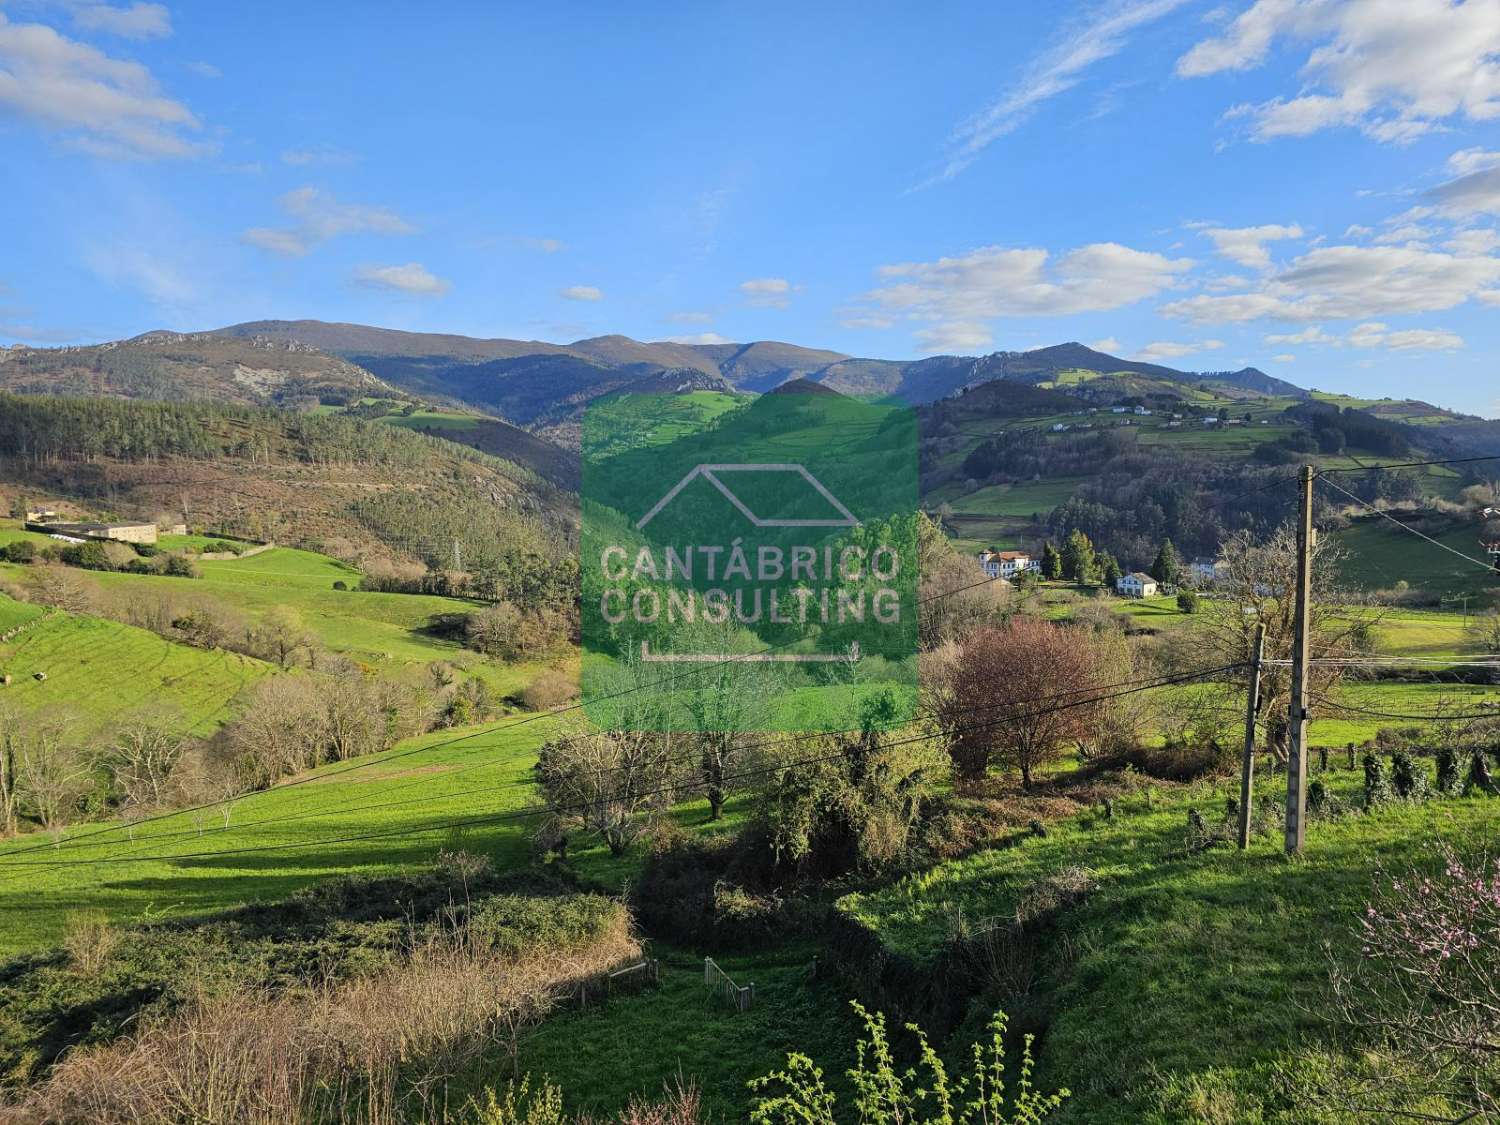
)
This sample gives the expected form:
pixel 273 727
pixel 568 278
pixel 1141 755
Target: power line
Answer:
pixel 1133 685
pixel 539 810
pixel 1487 567
pixel 1413 464
pixel 1492 713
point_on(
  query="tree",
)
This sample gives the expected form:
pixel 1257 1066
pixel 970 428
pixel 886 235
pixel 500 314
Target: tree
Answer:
pixel 613 783
pixel 1109 570
pixel 281 730
pixel 1188 601
pixel 1016 695
pixel 956 595
pixel 1484 636
pixel 10 737
pixel 144 756
pixel 1167 569
pixel 61 588
pixel 1078 561
pixel 51 774
pixel 1258 588
pixel 281 635
pixel 1052 563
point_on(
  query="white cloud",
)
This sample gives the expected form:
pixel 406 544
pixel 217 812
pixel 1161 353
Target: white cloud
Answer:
pixel 101 105
pixel 1467 160
pixel 1395 69
pixel 412 278
pixel 1284 357
pixel 1351 282
pixel 1354 230
pixel 1247 245
pixel 1377 335
pixel 996 281
pixel 1489 297
pixel 954 337
pixel 700 338
pixel 1108 344
pixel 1169 349
pixel 1052 73
pixel 581 293
pixel 767 292
pixel 1310 335
pixel 320 217
pixel 1480 240
pixel 1477 193
pixel 138 21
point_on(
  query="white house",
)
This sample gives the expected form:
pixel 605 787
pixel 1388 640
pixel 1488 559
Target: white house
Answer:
pixel 1208 571
pixel 1143 412
pixel 1136 585
pixel 1117 410
pixel 1059 427
pixel 1006 564
pixel 1211 420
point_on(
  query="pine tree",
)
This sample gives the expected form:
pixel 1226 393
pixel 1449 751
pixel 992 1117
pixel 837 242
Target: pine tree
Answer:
pixel 1079 563
pixel 1109 569
pixel 1167 569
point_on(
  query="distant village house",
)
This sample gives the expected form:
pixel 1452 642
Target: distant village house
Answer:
pixel 1136 585
pixel 1006 564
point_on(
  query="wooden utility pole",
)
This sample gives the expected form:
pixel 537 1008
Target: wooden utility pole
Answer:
pixel 1296 766
pixel 1252 708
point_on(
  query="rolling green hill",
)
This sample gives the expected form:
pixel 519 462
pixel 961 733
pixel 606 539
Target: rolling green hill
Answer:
pixel 100 670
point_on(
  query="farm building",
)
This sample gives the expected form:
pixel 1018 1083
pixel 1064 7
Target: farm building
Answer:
pixel 119 532
pixel 1136 585
pixel 1208 571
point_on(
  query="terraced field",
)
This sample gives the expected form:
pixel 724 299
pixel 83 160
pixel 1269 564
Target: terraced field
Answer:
pixel 101 670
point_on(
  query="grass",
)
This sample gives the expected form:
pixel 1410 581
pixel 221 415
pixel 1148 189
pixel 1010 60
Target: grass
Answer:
pixel 642 1043
pixel 1378 555
pixel 388 631
pixel 100 670
pixel 300 831
pixel 1183 976
pixel 196 543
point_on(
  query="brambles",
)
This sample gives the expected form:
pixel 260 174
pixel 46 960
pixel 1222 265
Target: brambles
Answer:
pixel 1408 778
pixel 1378 790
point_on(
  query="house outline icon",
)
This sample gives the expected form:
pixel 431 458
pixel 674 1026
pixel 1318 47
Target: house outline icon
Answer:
pixel 709 472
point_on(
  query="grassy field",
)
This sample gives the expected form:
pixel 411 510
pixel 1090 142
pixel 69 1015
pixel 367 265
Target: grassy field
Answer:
pixel 101 670
pixel 1378 555
pixel 196 543
pixel 401 801
pixel 385 630
pixel 1184 976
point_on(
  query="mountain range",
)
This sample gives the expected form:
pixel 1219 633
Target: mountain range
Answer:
pixel 542 388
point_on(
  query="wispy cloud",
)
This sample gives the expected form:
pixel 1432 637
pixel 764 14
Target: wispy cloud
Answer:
pixel 135 21
pixel 767 292
pixel 582 293
pixel 1054 72
pixel 319 217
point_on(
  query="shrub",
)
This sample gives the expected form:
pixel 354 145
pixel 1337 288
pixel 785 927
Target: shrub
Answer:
pixel 1449 776
pixel 885 1096
pixel 1479 774
pixel 90 940
pixel 1378 789
pixel 178 566
pixel 21 551
pixel 1408 778
pixel 1187 601
pixel 340 584
pixel 550 689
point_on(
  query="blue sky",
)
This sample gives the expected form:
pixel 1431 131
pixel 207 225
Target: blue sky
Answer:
pixel 1309 186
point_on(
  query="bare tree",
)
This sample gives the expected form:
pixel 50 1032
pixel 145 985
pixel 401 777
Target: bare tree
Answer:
pixel 956 595
pixel 1484 636
pixel 1016 695
pixel 282 729
pixel 280 636
pixel 1259 589
pixel 145 755
pixel 10 737
pixel 51 774
pixel 61 587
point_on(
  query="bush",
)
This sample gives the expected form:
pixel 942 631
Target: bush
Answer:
pixel 550 689
pixel 90 940
pixel 1408 778
pixel 1378 789
pixel 1449 776
pixel 1188 601
pixel 22 551
pixel 178 566
pixel 340 584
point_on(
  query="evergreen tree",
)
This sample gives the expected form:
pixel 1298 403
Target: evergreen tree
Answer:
pixel 1109 570
pixel 1052 563
pixel 1079 562
pixel 1167 569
